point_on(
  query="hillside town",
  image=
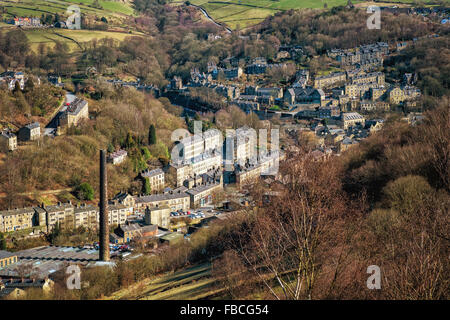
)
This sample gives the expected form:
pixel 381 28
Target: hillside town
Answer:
pixel 335 111
pixel 191 143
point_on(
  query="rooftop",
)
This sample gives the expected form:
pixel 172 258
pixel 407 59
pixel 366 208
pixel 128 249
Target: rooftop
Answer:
pixel 201 188
pixel 118 153
pixel 5 254
pixel 151 173
pixel 33 125
pixel 71 254
pixel 17 211
pixel 352 116
pixel 8 134
pixel 76 106
pixel 161 197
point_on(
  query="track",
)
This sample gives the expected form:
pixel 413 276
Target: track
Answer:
pixel 206 14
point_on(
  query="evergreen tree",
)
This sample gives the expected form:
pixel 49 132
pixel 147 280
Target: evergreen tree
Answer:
pixel 110 148
pixel 152 135
pixel 17 87
pixel 129 141
pixel 2 242
pixel 147 189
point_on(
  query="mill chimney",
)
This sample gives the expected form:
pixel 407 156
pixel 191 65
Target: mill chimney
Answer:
pixel 103 241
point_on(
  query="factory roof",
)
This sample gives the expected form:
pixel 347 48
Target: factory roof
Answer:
pixel 33 125
pixel 5 254
pixel 76 106
pixel 151 173
pixel 17 211
pixel 201 188
pixel 161 197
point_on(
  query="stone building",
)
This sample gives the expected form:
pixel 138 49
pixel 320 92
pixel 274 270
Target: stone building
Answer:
pixel 203 194
pixel 7 258
pixel 175 200
pixel 351 119
pixel 30 132
pixel 16 219
pixel 117 157
pixel 374 77
pixel 159 216
pixel 329 80
pixel 75 112
pixel 155 178
pixel 8 141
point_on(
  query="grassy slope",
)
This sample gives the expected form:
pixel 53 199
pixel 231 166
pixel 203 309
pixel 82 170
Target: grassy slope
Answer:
pixel 188 284
pixel 37 7
pixel 250 12
pixel 48 37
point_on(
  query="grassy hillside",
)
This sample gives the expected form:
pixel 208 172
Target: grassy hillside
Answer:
pixel 244 13
pixel 114 11
pixel 62 162
pixel 73 38
pixel 37 7
pixel 187 284
pixel 76 36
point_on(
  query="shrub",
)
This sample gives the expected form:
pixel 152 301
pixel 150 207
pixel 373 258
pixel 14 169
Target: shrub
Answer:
pixel 407 194
pixel 85 191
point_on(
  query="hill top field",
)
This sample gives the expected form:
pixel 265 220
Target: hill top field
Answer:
pixel 35 8
pixel 245 13
pixel 114 11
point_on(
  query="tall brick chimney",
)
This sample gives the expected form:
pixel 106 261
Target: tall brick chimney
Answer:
pixel 104 228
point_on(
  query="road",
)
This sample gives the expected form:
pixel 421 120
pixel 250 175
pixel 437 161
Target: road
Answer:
pixel 50 129
pixel 207 16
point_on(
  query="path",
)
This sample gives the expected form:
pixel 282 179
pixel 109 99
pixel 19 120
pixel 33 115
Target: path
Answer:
pixel 206 14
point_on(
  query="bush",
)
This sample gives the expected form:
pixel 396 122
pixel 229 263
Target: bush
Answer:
pixel 85 191
pixel 407 194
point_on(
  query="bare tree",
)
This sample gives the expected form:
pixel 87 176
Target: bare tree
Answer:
pixel 289 229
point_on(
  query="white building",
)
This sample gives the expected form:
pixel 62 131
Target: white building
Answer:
pixel 117 157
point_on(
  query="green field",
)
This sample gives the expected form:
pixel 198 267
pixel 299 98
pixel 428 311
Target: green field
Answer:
pixel 70 37
pixel 36 8
pixel 48 37
pixel 245 13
